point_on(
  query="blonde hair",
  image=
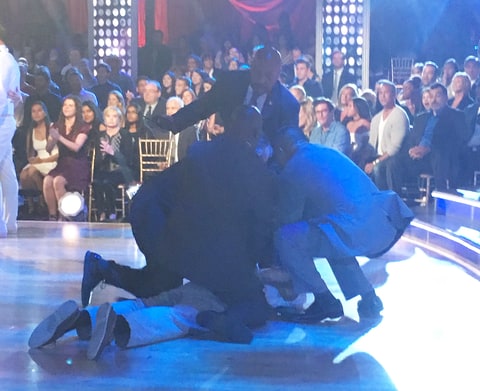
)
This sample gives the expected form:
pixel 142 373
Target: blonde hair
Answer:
pixel 306 107
pixel 117 111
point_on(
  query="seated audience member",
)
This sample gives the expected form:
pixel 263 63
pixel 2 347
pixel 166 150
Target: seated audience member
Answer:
pixel 388 131
pixel 93 118
pixel 429 73
pixel 118 76
pixel 412 96
pixel 187 136
pixel 306 116
pixel 470 153
pixel 312 87
pixel 417 69
pixel 52 101
pixel 104 85
pixel 182 83
pixel 137 97
pixel 436 140
pixel 450 67
pixel 207 218
pixel 154 104
pixel 208 84
pixel 74 81
pixel 198 78
pixel 115 98
pixel 208 62
pixel 40 162
pixel 371 97
pixel 346 94
pixel 108 171
pixel 134 130
pixel 328 132
pixel 362 152
pixel 298 92
pixel 329 208
pixel 72 172
pixel 88 80
pixel 461 86
pixel 471 66
pixel 188 96
pixel 168 84
pixel 426 99
pixel 359 112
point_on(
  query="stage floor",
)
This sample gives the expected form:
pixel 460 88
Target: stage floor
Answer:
pixel 429 338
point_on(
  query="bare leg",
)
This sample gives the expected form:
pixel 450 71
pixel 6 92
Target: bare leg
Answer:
pixel 49 195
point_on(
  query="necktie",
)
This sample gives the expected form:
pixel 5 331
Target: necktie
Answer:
pixel 149 112
pixel 335 87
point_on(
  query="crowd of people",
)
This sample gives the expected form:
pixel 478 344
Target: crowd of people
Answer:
pixel 295 167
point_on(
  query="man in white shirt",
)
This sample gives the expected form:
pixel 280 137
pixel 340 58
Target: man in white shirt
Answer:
pixel 387 134
pixel 9 97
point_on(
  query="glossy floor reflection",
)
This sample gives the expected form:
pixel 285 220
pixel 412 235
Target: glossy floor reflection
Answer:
pixel 428 340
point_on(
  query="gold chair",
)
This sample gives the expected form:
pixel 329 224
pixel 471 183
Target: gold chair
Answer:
pixel 155 156
pixel 400 70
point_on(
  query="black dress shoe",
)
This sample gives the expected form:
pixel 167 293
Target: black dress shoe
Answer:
pixel 370 308
pixel 56 325
pixel 319 311
pixel 92 275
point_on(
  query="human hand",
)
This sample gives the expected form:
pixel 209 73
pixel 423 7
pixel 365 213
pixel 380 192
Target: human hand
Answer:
pixel 35 160
pixel 369 168
pixel 418 152
pixel 105 147
pixel 54 133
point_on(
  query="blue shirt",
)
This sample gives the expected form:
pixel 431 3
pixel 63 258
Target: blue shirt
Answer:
pixel 336 137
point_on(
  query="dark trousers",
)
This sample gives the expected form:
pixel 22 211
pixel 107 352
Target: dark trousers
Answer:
pixel 105 186
pixel 388 174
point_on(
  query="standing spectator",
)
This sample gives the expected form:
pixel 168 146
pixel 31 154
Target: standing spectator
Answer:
pixel 118 76
pixel 74 57
pixel 333 80
pixel 155 58
pixel 89 80
pixel 9 97
pixel 104 86
pixel 387 134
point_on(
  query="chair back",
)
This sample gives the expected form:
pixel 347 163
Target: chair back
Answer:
pixel 155 156
pixel 400 69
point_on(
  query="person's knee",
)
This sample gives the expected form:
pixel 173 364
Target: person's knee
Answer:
pixel 59 183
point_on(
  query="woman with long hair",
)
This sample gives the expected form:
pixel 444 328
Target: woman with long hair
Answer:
pixel 40 162
pixel 72 172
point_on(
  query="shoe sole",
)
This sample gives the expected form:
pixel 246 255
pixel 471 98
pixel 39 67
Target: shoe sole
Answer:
pixel 55 325
pixel 87 265
pixel 102 333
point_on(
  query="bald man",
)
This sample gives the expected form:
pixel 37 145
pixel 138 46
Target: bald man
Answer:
pixel 258 86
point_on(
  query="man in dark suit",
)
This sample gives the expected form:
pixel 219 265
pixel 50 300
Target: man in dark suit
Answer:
pixel 334 80
pixel 470 153
pixel 259 87
pixel 153 104
pixel 436 139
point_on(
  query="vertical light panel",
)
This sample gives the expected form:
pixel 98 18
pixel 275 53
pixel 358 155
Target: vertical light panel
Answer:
pixel 113 30
pixel 344 26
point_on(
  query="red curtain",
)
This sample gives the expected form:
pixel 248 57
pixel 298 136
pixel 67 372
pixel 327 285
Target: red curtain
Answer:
pixel 77 12
pixel 141 23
